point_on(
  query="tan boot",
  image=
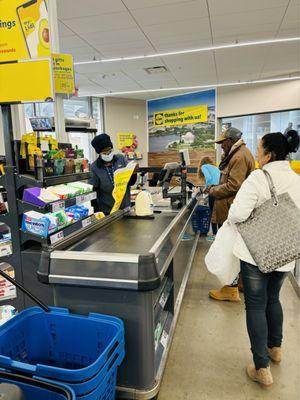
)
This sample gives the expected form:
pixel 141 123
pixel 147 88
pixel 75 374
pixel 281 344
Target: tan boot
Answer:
pixel 275 354
pixel 262 375
pixel 226 293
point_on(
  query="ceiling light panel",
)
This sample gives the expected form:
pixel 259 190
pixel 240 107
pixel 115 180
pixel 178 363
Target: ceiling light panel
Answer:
pixel 197 87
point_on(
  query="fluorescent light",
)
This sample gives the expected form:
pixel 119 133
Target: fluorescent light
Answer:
pixel 213 85
pixel 189 51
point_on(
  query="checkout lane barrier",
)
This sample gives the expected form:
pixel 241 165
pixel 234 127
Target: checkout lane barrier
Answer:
pixel 35 388
pixel 59 345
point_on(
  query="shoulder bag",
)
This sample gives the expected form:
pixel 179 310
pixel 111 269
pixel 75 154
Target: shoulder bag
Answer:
pixel 272 232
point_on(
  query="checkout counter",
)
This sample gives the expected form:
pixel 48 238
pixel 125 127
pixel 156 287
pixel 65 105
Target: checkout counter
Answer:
pixel 137 270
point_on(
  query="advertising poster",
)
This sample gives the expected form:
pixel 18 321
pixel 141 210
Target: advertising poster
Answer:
pixel 36 87
pixel 180 122
pixel 125 139
pixel 63 73
pixel 24 29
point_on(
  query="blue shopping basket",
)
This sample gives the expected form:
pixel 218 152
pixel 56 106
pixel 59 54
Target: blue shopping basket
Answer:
pixel 36 389
pixel 201 219
pixel 59 345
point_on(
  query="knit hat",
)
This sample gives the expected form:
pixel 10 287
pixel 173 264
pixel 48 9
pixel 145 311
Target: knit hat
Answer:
pixel 230 133
pixel 101 142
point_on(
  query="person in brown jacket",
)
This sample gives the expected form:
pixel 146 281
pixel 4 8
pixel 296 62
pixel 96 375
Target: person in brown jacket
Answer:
pixel 236 165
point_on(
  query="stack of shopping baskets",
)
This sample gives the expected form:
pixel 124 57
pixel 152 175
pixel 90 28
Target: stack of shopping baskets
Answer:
pixel 57 355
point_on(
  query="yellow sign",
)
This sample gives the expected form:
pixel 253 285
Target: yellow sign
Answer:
pixel 181 116
pixel 121 177
pixel 125 139
pixel 24 29
pixel 63 73
pixel 29 80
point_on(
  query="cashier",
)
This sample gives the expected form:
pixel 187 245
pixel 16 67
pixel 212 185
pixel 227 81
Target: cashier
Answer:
pixel 103 174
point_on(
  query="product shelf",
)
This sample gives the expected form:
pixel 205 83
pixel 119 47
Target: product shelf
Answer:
pixel 57 205
pixel 28 180
pixel 6 259
pixel 61 233
pixel 2 180
pixel 4 218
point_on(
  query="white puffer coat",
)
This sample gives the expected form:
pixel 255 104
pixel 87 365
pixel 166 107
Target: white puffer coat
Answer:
pixel 255 191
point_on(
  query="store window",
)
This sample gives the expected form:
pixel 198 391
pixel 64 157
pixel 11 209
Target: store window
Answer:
pixel 97 107
pixel 254 127
pixel 77 107
pixel 29 110
pixel 44 109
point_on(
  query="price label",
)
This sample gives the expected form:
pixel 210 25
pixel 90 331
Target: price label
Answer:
pixel 92 196
pixel 86 222
pixel 58 205
pixel 163 300
pixel 80 199
pixel 56 237
pixel 164 339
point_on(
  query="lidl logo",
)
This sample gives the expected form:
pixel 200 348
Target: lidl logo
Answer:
pixel 159 119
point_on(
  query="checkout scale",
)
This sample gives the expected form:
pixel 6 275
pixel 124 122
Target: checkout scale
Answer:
pixel 133 268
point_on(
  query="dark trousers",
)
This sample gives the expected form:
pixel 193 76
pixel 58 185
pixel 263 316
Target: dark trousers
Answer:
pixel 211 201
pixel 263 311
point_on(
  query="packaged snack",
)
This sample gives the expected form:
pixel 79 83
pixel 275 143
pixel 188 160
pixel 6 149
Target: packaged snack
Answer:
pixel 38 196
pixel 70 153
pixel 77 212
pixel 59 166
pixel 85 165
pixel 60 218
pixel 69 167
pixel 35 222
pixel 63 191
pixel 78 165
pixel 82 186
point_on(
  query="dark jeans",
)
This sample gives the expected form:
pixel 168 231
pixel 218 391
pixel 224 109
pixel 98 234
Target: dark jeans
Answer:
pixel 263 311
pixel 211 201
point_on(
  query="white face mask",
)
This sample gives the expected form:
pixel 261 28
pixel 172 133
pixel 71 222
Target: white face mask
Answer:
pixel 107 157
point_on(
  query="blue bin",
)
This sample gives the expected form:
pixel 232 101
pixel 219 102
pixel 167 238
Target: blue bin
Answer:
pixel 36 389
pixel 107 389
pixel 59 345
pixel 82 388
pixel 201 219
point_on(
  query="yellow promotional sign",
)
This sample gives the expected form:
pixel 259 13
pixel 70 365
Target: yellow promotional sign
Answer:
pixel 26 81
pixel 121 178
pixel 181 116
pixel 24 29
pixel 63 73
pixel 125 139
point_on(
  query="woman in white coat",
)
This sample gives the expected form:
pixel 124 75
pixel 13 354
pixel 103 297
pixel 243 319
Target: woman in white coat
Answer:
pixel 263 309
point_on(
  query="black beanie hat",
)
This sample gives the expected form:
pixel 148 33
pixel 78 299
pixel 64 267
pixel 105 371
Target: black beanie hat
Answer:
pixel 101 142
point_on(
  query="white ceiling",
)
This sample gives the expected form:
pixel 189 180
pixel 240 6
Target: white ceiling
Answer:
pixel 116 28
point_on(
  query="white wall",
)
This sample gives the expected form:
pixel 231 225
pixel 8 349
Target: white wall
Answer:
pixel 127 115
pixel 252 99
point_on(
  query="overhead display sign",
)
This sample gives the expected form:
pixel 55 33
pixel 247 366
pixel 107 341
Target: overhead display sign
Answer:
pixel 24 29
pixel 26 81
pixel 125 139
pixel 181 116
pixel 63 73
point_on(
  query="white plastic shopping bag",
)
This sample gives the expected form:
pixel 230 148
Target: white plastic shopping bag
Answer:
pixel 220 259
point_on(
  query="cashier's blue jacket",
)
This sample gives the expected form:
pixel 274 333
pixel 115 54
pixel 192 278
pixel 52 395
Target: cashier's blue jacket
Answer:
pixel 102 180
